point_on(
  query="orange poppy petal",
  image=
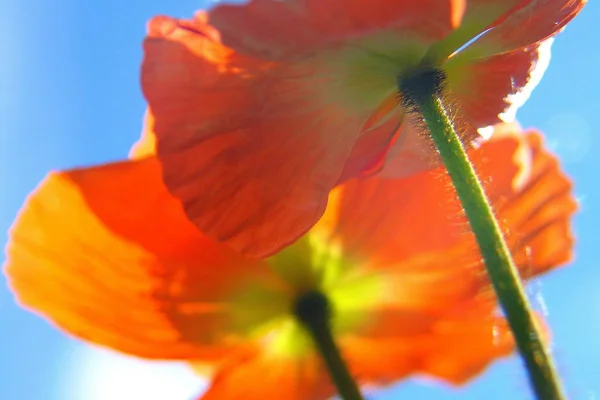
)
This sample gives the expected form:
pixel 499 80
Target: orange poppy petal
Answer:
pixel 291 29
pixel 458 350
pixel 455 346
pixel 436 348
pixel 538 219
pixel 146 145
pixel 379 361
pixel 484 88
pixel 385 228
pixel 529 23
pixel 451 350
pixel 109 256
pixel 258 375
pixel 418 213
pixel 457 12
pixel 252 159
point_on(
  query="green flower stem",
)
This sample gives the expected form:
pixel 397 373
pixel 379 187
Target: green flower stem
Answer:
pixel 312 310
pixel 501 268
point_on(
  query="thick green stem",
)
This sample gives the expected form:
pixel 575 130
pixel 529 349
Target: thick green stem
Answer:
pixel 501 268
pixel 312 310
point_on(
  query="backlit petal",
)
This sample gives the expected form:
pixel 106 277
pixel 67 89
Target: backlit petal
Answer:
pixel 478 16
pixel 370 152
pixel 502 26
pixel 380 361
pixel 109 256
pixel 416 214
pixel 286 30
pixel 529 23
pixel 483 87
pixel 258 375
pixel 538 218
pixel 420 243
pixel 458 350
pixel 250 149
pixel 146 145
pixel 450 349
pixel 412 152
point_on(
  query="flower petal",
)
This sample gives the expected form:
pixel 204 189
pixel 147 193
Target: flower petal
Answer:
pixel 422 240
pixel 284 30
pixel 502 26
pixel 258 375
pixel 251 150
pixel 413 152
pixel 195 83
pixel 538 219
pixel 370 152
pixel 458 350
pixel 484 88
pixel 451 349
pixel 379 361
pixel 478 16
pixel 146 145
pixel 416 214
pixel 439 351
pixel 529 23
pixel 109 256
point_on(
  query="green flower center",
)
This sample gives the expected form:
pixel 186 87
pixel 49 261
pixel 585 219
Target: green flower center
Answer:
pixel 316 282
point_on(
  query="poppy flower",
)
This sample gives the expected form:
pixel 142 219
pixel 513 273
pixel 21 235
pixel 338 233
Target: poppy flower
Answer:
pixel 109 256
pixel 271 104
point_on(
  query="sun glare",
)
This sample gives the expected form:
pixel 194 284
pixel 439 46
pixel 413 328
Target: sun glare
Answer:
pixel 98 374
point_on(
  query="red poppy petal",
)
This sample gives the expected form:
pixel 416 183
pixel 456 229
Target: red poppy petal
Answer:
pixel 485 88
pixel 252 159
pixel 370 152
pixel 413 152
pixel 259 375
pixel 529 23
pixel 290 29
pixel 193 82
pixel 489 13
pixel 259 195
pixel 478 16
pixel 503 26
pixel 108 255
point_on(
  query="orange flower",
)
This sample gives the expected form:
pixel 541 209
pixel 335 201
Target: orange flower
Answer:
pixel 108 255
pixel 271 104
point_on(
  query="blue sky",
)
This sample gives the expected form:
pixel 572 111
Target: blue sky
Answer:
pixel 70 96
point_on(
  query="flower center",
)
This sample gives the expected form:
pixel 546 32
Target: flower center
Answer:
pixel 420 84
pixel 311 307
pixel 317 284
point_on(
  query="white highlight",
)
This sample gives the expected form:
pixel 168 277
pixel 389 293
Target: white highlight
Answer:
pixel 99 374
pixel 486 132
pixel 537 72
